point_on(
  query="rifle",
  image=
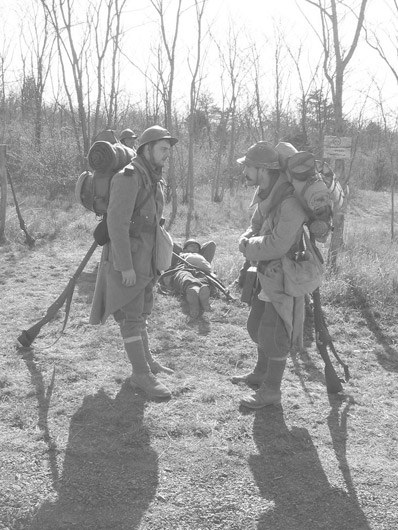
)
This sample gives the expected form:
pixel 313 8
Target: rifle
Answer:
pixel 323 341
pixel 28 336
pixel 215 281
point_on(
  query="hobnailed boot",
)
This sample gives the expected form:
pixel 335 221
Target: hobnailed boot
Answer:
pixel 192 297
pixel 270 391
pixel 257 376
pixel 155 366
pixel 204 298
pixel 142 377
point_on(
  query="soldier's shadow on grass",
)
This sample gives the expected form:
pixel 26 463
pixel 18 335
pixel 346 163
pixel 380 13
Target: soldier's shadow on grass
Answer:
pixel 110 472
pixel 389 358
pixel 290 477
pixel 43 397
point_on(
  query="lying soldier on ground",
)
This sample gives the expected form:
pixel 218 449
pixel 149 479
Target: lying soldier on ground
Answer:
pixel 189 277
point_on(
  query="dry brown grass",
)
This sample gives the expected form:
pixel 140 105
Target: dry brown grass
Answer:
pixel 82 450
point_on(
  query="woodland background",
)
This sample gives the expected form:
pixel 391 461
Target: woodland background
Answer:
pixel 80 449
pixel 65 69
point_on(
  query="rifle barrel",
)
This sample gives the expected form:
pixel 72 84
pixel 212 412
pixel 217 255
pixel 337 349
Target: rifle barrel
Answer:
pixel 322 339
pixel 28 336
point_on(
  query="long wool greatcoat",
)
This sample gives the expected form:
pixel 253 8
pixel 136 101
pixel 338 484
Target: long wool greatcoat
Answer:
pixel 129 188
pixel 275 231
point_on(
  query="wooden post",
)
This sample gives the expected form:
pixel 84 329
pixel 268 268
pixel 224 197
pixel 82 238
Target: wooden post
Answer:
pixel 3 191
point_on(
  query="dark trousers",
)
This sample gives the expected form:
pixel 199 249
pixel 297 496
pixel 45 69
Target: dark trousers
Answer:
pixel 267 330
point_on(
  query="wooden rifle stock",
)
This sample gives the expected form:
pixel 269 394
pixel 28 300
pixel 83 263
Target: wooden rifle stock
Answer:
pixel 323 340
pixel 28 336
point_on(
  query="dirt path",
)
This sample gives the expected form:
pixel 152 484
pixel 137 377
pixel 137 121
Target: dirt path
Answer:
pixel 82 450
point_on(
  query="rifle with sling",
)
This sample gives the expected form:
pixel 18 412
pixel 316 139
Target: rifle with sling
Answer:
pixel 215 281
pixel 324 341
pixel 101 237
pixel 28 336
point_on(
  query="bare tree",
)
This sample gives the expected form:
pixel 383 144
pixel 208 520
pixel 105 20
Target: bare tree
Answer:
pixel 74 35
pixel 279 83
pixel 234 67
pixel 71 53
pixel 193 102
pixel 375 41
pixel 256 83
pixel 335 62
pixel 109 37
pixel 6 57
pixel 167 78
pixel 39 56
pixel 305 88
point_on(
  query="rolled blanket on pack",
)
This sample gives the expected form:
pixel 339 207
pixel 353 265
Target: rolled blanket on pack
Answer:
pixel 104 156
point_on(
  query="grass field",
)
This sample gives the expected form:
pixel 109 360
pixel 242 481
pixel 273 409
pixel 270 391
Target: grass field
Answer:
pixel 81 450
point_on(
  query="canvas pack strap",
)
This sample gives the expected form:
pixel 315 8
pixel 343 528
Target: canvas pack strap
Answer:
pixel 137 209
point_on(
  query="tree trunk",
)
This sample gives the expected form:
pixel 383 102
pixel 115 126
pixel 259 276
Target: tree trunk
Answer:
pixel 3 191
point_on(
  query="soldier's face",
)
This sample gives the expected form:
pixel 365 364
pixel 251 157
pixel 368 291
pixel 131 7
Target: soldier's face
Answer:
pixel 159 153
pixel 251 175
pixel 256 176
pixel 192 248
pixel 129 142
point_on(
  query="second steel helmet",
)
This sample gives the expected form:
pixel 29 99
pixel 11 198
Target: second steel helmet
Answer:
pixel 154 134
pixel 127 133
pixel 261 154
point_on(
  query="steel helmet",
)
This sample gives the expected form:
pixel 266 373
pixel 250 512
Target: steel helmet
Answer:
pixel 191 242
pixel 154 134
pixel 261 154
pixel 127 133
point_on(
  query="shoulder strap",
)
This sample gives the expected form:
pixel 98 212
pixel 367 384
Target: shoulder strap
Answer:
pixel 129 171
pixel 137 209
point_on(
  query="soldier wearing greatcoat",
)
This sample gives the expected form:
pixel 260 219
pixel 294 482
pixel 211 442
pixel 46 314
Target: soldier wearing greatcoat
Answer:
pixel 128 269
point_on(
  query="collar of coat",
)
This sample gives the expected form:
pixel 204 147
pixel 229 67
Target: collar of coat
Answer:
pixel 280 190
pixel 152 175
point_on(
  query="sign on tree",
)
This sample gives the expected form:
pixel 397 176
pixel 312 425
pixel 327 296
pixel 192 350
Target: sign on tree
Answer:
pixel 338 147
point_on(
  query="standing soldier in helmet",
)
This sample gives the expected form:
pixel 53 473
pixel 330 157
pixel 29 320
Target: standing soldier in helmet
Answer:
pixel 276 319
pixel 128 270
pixel 128 138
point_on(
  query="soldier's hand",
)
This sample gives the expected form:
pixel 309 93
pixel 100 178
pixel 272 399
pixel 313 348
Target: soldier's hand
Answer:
pixel 242 245
pixel 129 277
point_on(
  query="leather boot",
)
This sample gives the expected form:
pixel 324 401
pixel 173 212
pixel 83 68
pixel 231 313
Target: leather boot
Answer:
pixel 142 376
pixel 270 391
pixel 192 297
pixel 150 385
pixel 155 366
pixel 204 297
pixel 257 376
pixel 264 396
